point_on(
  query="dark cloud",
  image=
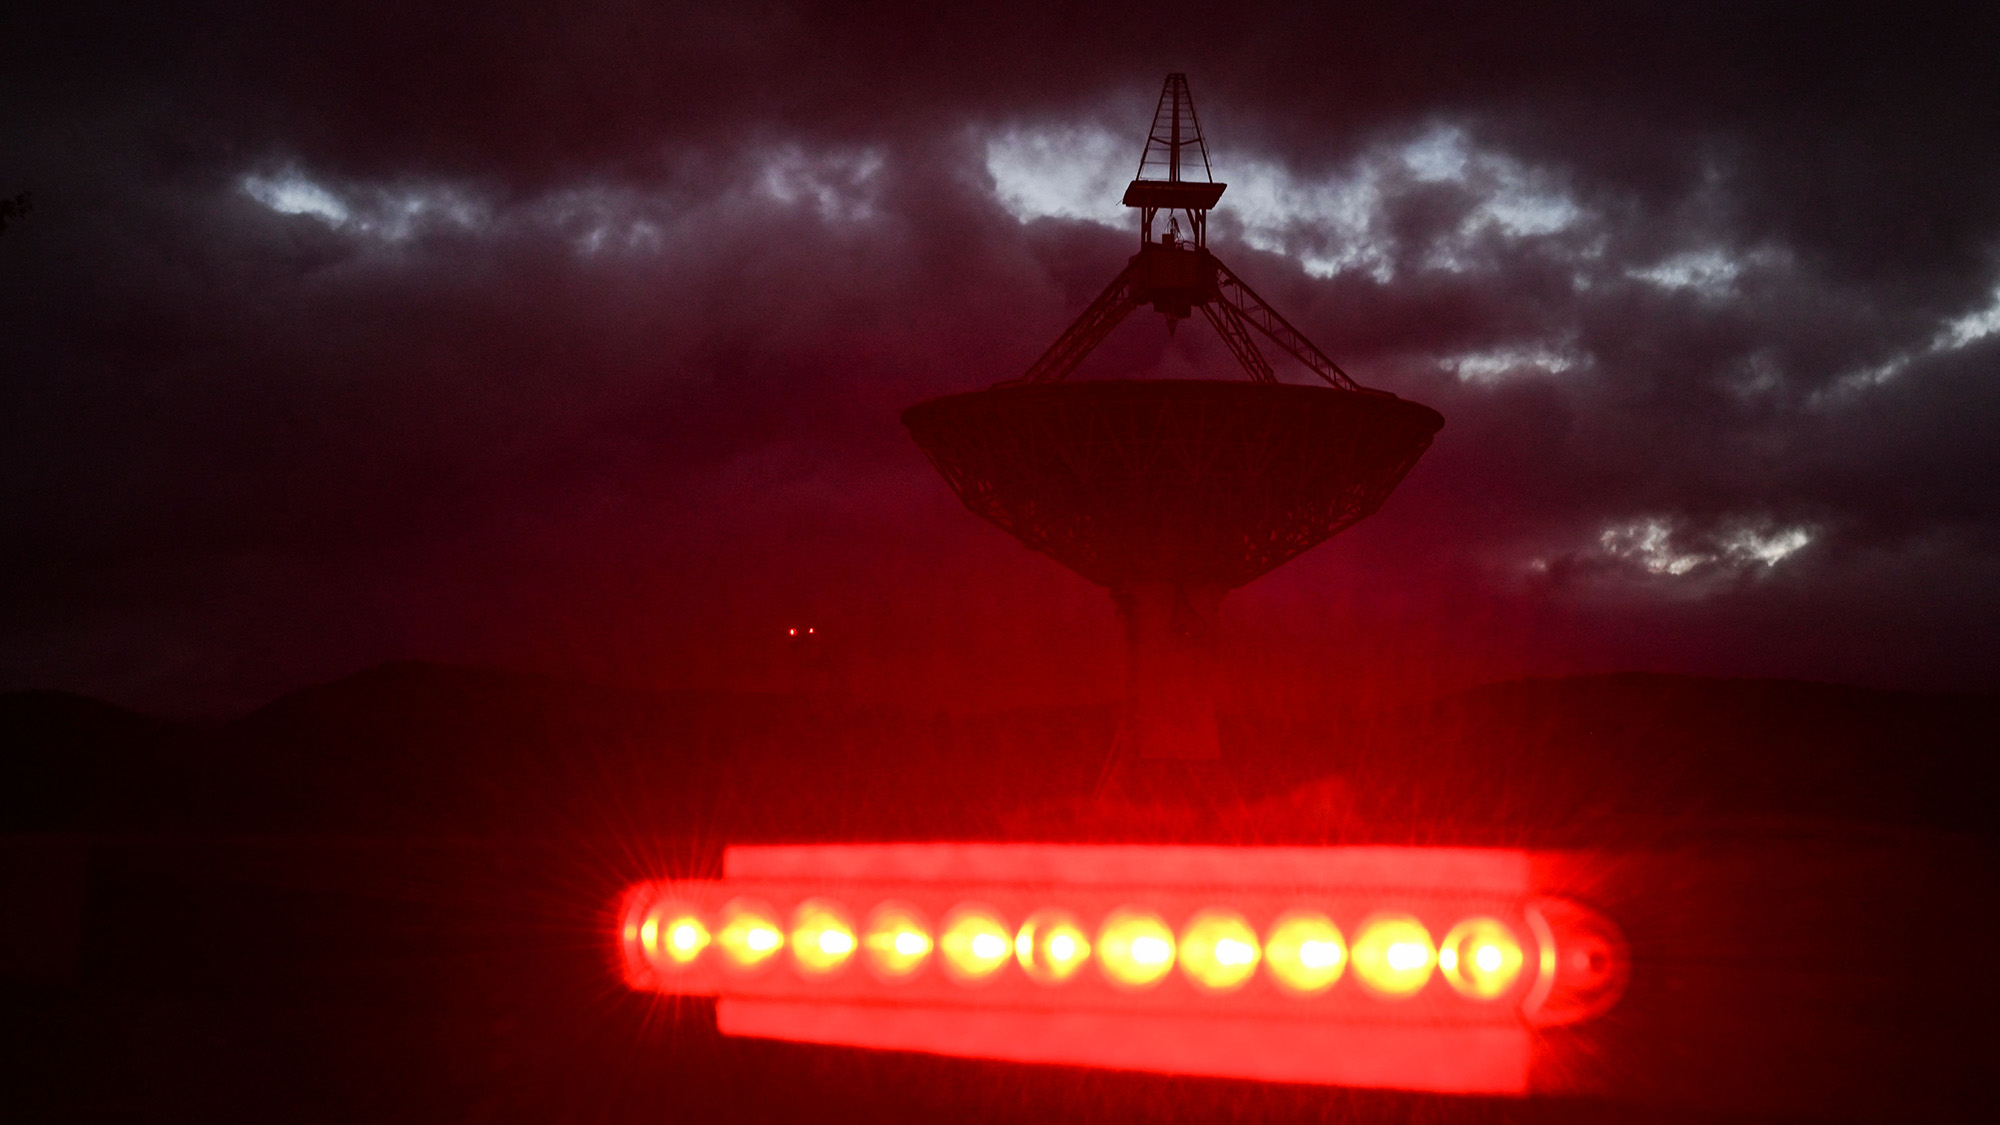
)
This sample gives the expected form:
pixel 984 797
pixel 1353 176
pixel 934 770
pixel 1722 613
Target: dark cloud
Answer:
pixel 576 337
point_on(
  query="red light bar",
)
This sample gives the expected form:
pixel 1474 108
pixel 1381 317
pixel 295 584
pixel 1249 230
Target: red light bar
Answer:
pixel 1417 968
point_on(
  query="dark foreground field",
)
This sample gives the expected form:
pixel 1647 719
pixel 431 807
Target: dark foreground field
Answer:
pixel 386 898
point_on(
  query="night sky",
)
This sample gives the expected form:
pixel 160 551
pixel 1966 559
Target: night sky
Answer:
pixel 573 338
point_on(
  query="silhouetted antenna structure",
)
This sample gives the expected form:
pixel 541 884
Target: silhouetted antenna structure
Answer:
pixel 1171 492
pixel 1174 128
pixel 1176 275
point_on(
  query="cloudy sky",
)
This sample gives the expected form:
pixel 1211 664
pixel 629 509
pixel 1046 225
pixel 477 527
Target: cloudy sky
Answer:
pixel 574 337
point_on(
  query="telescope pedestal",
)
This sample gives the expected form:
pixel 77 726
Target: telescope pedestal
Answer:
pixel 1171 630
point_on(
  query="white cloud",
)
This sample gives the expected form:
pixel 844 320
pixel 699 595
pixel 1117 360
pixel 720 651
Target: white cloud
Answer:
pixel 1075 172
pixel 390 213
pixel 838 187
pixel 1971 327
pixel 1520 210
pixel 1769 546
pixel 1710 271
pixel 1649 542
pixel 1438 156
pixel 1330 224
pixel 1659 546
pixel 599 219
pixel 1512 362
pixel 290 193
pixel 401 213
pixel 1958 332
pixel 1855 382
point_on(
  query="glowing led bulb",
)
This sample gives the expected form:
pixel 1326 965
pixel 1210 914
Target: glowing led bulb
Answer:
pixel 1393 955
pixel 1218 950
pixel 975 943
pixel 749 935
pixel 822 938
pixel 898 940
pixel 1051 946
pixel 673 937
pixel 1404 956
pixel 1135 948
pixel 1304 952
pixel 1481 958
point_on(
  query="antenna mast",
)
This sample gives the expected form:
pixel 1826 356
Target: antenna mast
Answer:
pixel 1176 275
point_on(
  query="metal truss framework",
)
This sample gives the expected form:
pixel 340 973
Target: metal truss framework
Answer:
pixel 1224 298
pixel 1176 275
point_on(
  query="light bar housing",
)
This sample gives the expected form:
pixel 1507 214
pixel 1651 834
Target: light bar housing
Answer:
pixel 1415 1016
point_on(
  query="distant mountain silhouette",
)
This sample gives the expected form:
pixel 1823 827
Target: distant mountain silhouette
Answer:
pixel 1602 759
pixel 416 748
pixel 70 764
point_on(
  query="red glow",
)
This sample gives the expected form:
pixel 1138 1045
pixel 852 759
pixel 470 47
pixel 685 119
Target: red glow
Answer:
pixel 1464 1060
pixel 1494 870
pixel 1255 932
